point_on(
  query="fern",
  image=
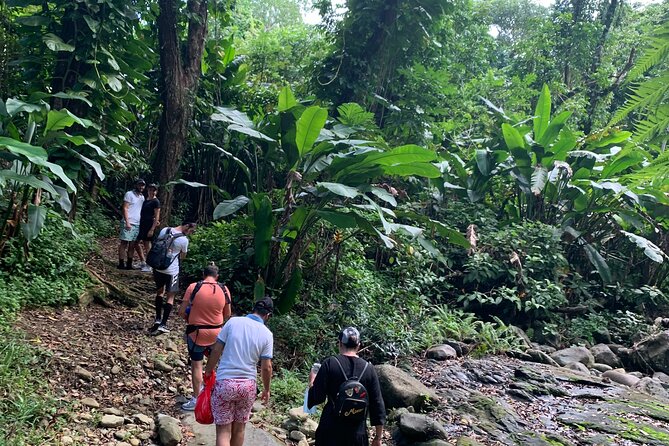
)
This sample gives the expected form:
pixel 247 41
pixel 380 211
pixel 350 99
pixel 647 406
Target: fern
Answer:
pixel 649 98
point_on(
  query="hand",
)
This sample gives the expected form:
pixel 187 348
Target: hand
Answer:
pixel 376 441
pixel 150 233
pixel 264 397
pixel 312 378
pixel 128 226
pixel 207 374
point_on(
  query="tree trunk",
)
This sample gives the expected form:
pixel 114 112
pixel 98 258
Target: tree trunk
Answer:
pixel 180 78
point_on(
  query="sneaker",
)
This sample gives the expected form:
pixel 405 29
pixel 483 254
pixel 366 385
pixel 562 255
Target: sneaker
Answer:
pixel 189 405
pixel 146 268
pixel 160 330
pixel 155 326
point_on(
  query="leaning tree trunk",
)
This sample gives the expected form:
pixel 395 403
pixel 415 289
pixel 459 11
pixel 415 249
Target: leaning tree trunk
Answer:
pixel 180 76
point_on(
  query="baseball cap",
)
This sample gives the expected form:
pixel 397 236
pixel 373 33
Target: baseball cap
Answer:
pixel 152 186
pixel 140 181
pixel 264 305
pixel 350 337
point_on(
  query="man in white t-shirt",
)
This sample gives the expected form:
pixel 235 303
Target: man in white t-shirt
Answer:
pixel 131 210
pixel 242 342
pixel 167 280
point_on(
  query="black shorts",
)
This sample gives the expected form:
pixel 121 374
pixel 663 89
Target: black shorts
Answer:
pixel 171 283
pixel 144 229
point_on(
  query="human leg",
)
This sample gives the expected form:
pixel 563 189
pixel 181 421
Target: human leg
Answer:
pixel 237 437
pixel 196 375
pixel 122 250
pixel 223 433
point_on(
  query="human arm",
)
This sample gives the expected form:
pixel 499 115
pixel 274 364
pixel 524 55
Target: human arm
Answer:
pixel 318 387
pixel 377 408
pixel 214 357
pixel 124 211
pixel 185 302
pixel 156 221
pixel 378 435
pixel 266 376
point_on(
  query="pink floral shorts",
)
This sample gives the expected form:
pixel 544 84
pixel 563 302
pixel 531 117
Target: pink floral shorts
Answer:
pixel 232 400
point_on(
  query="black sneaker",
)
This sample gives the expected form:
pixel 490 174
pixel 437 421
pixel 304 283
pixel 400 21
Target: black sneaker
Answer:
pixel 121 264
pixel 154 327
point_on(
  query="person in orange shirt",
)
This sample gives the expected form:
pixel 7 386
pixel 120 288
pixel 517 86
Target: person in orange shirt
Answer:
pixel 205 307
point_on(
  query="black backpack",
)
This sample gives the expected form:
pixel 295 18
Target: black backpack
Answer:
pixel 158 256
pixel 352 400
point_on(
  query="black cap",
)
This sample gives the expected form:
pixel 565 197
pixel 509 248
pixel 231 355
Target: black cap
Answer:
pixel 264 306
pixel 152 186
pixel 140 181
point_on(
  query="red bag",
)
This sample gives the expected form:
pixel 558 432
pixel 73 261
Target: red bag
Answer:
pixel 203 413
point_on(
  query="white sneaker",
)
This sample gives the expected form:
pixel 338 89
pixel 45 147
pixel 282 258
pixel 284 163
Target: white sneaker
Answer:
pixel 189 405
pixel 146 268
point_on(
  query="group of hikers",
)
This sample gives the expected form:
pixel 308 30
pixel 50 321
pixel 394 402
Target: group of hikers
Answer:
pixel 235 345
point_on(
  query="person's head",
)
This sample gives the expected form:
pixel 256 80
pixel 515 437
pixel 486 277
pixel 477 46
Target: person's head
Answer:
pixel 349 340
pixel 139 185
pixel 188 226
pixel 264 307
pixel 210 271
pixel 152 189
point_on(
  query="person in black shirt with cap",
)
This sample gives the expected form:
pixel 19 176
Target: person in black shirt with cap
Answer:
pixel 333 430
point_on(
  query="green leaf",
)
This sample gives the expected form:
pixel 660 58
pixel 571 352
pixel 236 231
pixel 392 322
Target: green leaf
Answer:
pixel 622 162
pixel 259 289
pixel 35 223
pixel 94 164
pixel 598 262
pixel 289 296
pixel 309 127
pixel 186 183
pixel 63 198
pixel 21 148
pixel 512 137
pixel 242 165
pixel 384 195
pixel 34 20
pixel 343 220
pixel 92 23
pixel 75 96
pixel 264 227
pixel 613 138
pixel 542 113
pixel 409 153
pixel 286 99
pixel 30 180
pixel 14 106
pixel 340 189
pixel 424 170
pixel 483 162
pixel 250 132
pixel 651 250
pixel 553 129
pixel 114 82
pixel 60 119
pixel 539 178
pixel 229 207
pixel 55 43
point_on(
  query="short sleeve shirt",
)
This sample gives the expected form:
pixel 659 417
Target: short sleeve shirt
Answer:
pixel 148 210
pixel 135 202
pixel 207 308
pixel 179 245
pixel 247 341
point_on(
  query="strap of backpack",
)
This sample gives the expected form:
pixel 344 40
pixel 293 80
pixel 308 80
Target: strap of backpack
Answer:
pixel 341 368
pixel 195 290
pixel 226 293
pixel 363 370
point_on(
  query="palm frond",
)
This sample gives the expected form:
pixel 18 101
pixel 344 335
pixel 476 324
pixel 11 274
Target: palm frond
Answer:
pixel 656 52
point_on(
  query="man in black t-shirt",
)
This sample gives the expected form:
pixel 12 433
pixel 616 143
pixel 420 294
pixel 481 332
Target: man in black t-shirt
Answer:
pixel 332 429
pixel 149 221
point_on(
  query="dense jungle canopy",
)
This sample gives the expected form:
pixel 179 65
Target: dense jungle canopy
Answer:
pixel 418 168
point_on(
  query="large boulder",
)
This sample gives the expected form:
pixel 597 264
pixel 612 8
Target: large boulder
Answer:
pixel 399 389
pixel 653 352
pixel 441 352
pixel 169 431
pixel 573 354
pixel 651 386
pixel 603 355
pixel 418 427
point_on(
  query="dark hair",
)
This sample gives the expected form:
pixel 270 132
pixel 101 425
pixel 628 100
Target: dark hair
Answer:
pixel 140 181
pixel 264 306
pixel 210 270
pixel 152 186
pixel 188 222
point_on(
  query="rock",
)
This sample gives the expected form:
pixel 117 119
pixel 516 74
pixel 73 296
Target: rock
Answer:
pixel 603 355
pixel 144 436
pixel 461 348
pixel 602 335
pixel 602 367
pixel 541 357
pixel 297 436
pixel 544 348
pixel 83 373
pixel 399 389
pixel 281 434
pixel 112 411
pixel 135 442
pixel 418 427
pixel 651 387
pixel 90 402
pixel 521 335
pixel 170 346
pixel 122 443
pixel 467 441
pixel 437 442
pixel 121 356
pixel 162 366
pixel 120 435
pixel 573 354
pixel 66 440
pixel 112 421
pixel 621 378
pixel 578 367
pixel 303 442
pixel 115 370
pixel 441 352
pixel 653 352
pixel 290 424
pixel 169 431
pixel 297 413
pixel 309 427
pixel 662 377
pixel 636 374
pixel 257 407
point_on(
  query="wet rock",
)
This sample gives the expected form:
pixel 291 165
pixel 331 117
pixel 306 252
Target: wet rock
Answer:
pixel 169 430
pixel 399 389
pixel 653 352
pixel 541 357
pixel 621 378
pixel 441 352
pixel 578 367
pixel 111 421
pixel 573 354
pixel 603 355
pixel 83 373
pixel 417 427
pixel 602 367
pixel 652 387
pixel 90 402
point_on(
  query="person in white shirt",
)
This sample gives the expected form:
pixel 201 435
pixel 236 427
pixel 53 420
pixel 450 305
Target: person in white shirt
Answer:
pixel 242 342
pixel 131 210
pixel 167 280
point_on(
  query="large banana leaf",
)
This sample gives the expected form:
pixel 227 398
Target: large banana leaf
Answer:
pixel 598 262
pixel 553 130
pixel 60 119
pixel 542 113
pixel 286 99
pixel 229 207
pixel 30 180
pixel 651 250
pixel 35 223
pixel 309 126
pixel 512 137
